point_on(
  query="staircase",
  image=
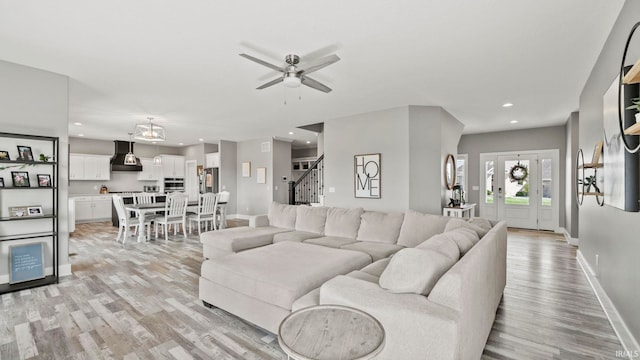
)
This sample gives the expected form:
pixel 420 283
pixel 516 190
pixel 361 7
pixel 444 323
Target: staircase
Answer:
pixel 309 188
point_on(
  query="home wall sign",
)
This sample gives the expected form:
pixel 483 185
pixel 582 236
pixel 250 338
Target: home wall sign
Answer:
pixel 26 262
pixel 367 176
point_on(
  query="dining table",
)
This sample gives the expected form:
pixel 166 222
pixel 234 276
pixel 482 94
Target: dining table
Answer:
pixel 142 210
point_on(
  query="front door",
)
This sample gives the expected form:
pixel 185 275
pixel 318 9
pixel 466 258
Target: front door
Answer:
pixel 520 189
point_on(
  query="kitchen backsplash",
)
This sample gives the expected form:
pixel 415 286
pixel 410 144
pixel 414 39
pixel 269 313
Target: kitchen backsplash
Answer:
pixel 120 181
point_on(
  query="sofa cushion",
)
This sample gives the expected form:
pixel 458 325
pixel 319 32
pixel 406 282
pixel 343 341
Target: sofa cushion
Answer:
pixel 415 271
pixel 377 267
pixel 460 223
pixel 343 222
pixel 361 275
pixel 443 243
pixel 482 223
pixel 297 236
pixel 380 227
pixel 330 241
pixel 418 227
pixel 311 219
pixel 312 298
pixel 282 215
pixel 464 238
pixel 279 274
pixel 376 250
pixel 240 238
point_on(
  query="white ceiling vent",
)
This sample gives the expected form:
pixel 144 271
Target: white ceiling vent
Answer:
pixel 266 146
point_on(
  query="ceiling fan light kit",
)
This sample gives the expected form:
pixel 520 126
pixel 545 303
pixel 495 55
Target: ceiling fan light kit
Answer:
pixel 293 75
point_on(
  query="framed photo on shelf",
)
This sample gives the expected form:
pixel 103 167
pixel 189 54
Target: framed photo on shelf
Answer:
pixel 24 153
pixel 4 155
pixel 44 180
pixel 34 211
pixel 18 211
pixel 1 182
pixel 20 179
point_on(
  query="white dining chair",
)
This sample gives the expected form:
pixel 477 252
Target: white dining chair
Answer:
pixel 125 221
pixel 207 204
pixel 222 209
pixel 175 212
pixel 144 198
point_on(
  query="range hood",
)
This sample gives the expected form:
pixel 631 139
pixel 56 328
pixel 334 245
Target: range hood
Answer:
pixel 117 161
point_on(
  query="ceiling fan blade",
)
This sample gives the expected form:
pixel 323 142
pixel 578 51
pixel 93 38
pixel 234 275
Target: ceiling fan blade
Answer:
pixel 315 84
pixel 262 62
pixel 318 64
pixel 270 83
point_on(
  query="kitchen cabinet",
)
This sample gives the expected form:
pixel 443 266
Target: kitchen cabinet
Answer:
pixel 172 166
pixel 89 167
pixel 150 171
pixel 92 208
pixel 212 160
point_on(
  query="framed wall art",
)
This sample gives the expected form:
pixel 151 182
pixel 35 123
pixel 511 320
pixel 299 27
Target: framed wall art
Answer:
pixel 367 176
pixel 44 180
pixel 246 169
pixel 261 175
pixel 26 262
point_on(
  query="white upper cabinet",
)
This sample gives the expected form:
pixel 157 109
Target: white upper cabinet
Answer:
pixel 89 167
pixel 212 160
pixel 150 171
pixel 172 166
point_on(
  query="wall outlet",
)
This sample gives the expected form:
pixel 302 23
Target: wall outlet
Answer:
pixel 275 188
pixel 224 187
pixel 95 187
pixel 475 188
pixel 247 209
pixel 332 189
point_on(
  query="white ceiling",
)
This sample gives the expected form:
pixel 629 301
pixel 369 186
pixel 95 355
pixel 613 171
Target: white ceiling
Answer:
pixel 178 60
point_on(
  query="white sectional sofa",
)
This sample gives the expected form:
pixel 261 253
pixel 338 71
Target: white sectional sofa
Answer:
pixel 433 282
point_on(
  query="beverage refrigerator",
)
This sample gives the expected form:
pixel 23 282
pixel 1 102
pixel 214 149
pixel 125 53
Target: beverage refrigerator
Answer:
pixel 209 180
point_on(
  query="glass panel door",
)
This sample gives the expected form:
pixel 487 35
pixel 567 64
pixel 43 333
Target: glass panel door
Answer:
pixel 517 192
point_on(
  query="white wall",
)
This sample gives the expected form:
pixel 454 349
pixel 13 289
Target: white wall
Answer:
pixel 411 140
pixel 36 102
pixel 228 172
pixel 281 167
pixel 254 198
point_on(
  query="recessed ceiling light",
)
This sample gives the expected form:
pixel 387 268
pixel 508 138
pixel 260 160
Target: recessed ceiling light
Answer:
pixel 308 142
pixel 200 139
pixel 77 123
pixel 80 134
pixel 180 144
pixel 507 105
pixel 290 132
pixel 513 122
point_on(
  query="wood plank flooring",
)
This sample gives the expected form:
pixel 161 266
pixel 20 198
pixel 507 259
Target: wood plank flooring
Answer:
pixel 140 301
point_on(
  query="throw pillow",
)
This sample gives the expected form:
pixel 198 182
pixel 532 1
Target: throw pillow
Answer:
pixel 442 243
pixel 417 227
pixel 460 223
pixel 482 223
pixel 282 216
pixel 311 219
pixel 380 227
pixel 464 238
pixel 343 222
pixel 415 271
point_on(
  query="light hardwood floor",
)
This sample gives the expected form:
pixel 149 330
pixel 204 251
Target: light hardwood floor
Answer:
pixel 140 301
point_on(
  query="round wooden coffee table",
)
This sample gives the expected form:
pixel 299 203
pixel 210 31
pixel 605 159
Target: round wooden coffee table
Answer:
pixel 330 332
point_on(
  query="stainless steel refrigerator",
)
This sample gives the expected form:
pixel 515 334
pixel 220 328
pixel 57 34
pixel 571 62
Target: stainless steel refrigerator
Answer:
pixel 209 180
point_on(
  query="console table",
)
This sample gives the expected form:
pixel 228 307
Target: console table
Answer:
pixel 330 332
pixel 468 209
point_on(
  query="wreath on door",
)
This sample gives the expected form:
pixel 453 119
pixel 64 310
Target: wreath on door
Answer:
pixel 518 173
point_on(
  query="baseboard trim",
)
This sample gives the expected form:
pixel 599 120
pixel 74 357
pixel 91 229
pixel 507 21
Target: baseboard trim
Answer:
pixel 570 240
pixel 64 270
pixel 625 336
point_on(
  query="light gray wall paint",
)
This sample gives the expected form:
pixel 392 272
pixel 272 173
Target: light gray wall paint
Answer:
pixel 193 152
pixel 606 231
pixel 385 132
pixel 302 153
pixel 228 172
pixel 450 137
pixel 254 198
pixel 36 102
pixel 281 167
pixel 320 149
pixel 545 138
pixel 210 148
pixel 570 204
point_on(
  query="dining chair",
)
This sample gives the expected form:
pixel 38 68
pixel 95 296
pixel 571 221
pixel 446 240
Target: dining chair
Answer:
pixel 125 221
pixel 222 209
pixel 144 198
pixel 207 204
pixel 175 212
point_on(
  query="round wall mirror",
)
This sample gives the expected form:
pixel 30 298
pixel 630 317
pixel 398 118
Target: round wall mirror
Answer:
pixel 450 171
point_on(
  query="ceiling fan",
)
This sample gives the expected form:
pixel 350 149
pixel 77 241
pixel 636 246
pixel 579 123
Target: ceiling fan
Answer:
pixel 293 74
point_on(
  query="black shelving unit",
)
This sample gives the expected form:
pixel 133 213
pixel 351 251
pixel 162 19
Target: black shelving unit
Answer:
pixel 52 216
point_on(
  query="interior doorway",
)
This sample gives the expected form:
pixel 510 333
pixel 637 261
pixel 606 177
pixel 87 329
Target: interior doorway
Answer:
pixel 521 188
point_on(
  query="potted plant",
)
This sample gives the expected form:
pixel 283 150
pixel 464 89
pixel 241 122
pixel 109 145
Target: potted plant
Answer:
pixel 636 107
